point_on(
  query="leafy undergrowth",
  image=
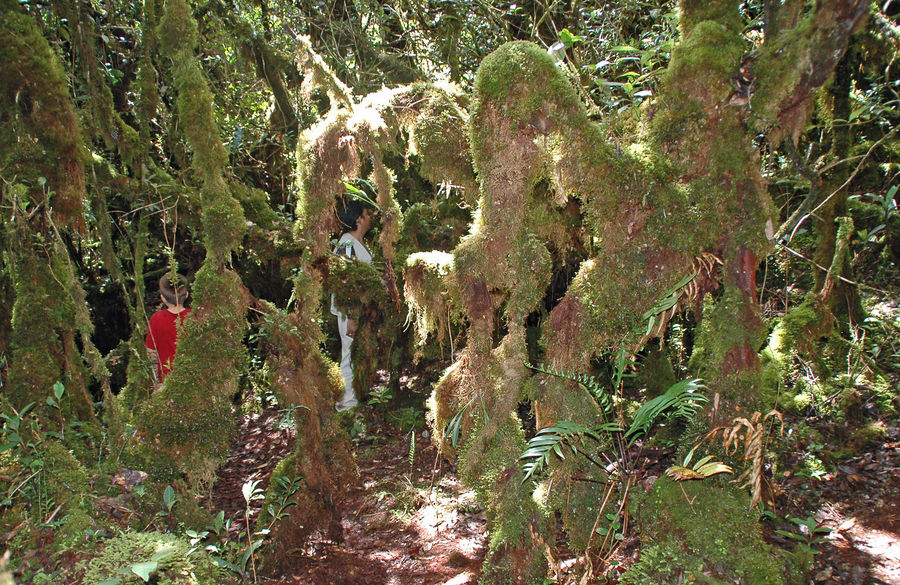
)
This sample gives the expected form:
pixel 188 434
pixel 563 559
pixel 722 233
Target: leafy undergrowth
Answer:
pixel 409 521
pixel 418 525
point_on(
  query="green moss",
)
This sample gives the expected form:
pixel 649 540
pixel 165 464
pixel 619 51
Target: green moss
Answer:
pixel 693 12
pixel 68 485
pixel 172 560
pixel 440 137
pixel 39 143
pixel 428 289
pixel 256 205
pixel 667 562
pixel 678 536
pixel 779 69
pixel 45 319
pixel 870 433
pixel 515 63
pixel 720 332
pixel 513 555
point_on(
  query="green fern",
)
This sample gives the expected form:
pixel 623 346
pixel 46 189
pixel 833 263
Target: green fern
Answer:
pixel 682 400
pixel 589 383
pixel 666 302
pixel 556 440
pixel 453 428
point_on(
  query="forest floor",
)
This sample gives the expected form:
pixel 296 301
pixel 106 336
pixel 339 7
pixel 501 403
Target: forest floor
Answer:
pixel 403 523
pixel 415 524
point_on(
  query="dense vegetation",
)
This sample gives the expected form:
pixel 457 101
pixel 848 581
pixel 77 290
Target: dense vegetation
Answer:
pixel 613 228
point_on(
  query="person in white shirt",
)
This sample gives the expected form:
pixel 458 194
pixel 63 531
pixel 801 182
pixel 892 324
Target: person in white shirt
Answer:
pixel 356 217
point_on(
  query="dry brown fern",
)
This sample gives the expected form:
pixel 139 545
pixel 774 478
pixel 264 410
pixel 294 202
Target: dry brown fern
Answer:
pixel 751 435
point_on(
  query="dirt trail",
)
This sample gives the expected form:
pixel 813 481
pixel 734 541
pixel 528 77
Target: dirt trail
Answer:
pixel 403 525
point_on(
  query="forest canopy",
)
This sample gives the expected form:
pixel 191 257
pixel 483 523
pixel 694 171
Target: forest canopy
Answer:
pixel 601 227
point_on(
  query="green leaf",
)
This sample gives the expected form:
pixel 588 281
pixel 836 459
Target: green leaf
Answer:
pixel 568 39
pixel 220 562
pixel 163 553
pixel 251 490
pixel 169 498
pixel 682 398
pixel 113 581
pixel 144 570
pixel 790 535
pixel 59 390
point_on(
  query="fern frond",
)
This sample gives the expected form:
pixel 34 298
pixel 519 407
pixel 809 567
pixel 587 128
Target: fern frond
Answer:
pixel 682 398
pixel 454 426
pixel 557 439
pixel 702 469
pixel 587 382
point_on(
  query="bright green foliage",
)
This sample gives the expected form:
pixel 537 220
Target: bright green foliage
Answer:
pixel 135 558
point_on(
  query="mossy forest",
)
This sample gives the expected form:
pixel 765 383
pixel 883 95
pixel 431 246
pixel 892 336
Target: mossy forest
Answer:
pixel 632 315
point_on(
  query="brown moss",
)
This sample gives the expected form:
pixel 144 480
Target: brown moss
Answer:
pixel 429 291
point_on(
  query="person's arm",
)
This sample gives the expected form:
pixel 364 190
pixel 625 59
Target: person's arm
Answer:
pixel 152 353
pixel 345 249
pixel 153 356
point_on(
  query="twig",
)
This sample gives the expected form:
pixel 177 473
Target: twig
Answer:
pixel 823 269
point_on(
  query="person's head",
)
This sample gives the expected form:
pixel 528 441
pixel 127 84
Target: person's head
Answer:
pixel 354 214
pixel 173 294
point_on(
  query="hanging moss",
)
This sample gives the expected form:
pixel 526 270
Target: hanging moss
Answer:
pixel 102 119
pixel 429 292
pixel 44 322
pixel 186 425
pixel 440 137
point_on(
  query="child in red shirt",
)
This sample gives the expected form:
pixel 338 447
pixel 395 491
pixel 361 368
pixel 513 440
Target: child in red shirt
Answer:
pixel 162 338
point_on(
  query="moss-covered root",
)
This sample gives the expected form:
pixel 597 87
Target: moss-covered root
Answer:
pixel 186 426
pixel 306 380
pixel 519 531
pixel 697 531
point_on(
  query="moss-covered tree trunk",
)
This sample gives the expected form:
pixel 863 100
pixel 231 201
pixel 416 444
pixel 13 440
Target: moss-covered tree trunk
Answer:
pixel 186 426
pixel 684 204
pixel 42 159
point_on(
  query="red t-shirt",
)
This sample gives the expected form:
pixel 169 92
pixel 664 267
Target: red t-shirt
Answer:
pixel 163 337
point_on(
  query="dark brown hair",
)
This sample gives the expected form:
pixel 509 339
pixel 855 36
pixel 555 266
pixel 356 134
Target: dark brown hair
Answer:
pixel 174 295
